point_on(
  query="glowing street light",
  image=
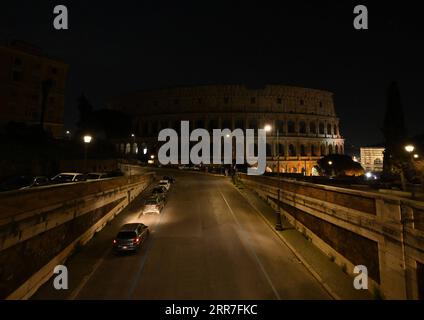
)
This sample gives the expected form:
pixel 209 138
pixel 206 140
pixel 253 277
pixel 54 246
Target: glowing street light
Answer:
pixel 416 156
pixel 87 139
pixel 409 148
pixel 152 156
pixel 330 163
pixel 145 151
pixel 278 223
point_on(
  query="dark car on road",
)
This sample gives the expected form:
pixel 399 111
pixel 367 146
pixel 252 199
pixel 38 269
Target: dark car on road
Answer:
pixel 130 237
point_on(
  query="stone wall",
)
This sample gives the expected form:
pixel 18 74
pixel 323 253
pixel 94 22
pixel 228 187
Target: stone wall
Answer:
pixel 40 228
pixel 382 232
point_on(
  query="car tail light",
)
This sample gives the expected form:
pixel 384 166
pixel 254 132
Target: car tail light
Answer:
pixel 136 240
pixel 114 241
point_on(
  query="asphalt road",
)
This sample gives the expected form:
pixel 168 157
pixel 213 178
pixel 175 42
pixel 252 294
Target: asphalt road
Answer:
pixel 208 243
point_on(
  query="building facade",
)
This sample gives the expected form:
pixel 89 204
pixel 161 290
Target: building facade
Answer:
pixel 372 158
pixel 23 69
pixel 304 123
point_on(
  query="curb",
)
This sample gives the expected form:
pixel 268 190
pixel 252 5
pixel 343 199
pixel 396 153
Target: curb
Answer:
pixel 327 288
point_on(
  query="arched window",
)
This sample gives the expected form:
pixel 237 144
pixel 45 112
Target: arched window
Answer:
pixel 313 151
pixel 268 150
pixel 302 150
pixel 323 151
pixel 292 150
pixel 302 127
pixel 321 128
pixel 253 124
pixel 279 124
pixel 337 149
pixel 312 128
pixel 281 149
pixel 336 129
pixel 330 149
pixel 127 148
pixel 226 124
pixel 378 161
pixel 239 124
pixel 328 128
pixel 290 127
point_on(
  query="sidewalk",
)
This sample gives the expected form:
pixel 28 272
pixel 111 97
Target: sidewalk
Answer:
pixel 338 284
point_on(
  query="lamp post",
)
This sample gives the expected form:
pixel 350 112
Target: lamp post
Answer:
pixel 408 148
pixel 87 140
pixel 278 223
pixel 330 163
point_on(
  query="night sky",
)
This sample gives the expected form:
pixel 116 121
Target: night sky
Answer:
pixel 115 47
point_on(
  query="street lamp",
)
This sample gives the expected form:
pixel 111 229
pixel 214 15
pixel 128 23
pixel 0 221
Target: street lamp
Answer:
pixel 145 151
pixel 416 156
pixel 268 128
pixel 87 140
pixel 409 148
pixel 278 223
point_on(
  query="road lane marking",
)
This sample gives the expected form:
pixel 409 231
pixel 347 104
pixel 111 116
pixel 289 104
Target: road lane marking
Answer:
pixel 307 266
pixel 136 279
pixel 252 251
pixel 87 277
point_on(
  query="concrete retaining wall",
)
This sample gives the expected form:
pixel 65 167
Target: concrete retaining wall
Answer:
pixel 40 228
pixel 383 232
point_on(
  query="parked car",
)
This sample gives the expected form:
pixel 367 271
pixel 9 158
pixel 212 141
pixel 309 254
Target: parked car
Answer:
pixel 165 183
pixel 161 190
pixel 169 178
pixel 153 204
pixel 130 237
pixel 96 176
pixel 68 177
pixel 159 197
pixel 23 182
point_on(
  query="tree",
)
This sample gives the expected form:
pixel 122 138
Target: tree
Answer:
pixel 394 130
pixel 339 165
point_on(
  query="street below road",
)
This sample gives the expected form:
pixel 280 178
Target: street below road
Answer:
pixel 208 243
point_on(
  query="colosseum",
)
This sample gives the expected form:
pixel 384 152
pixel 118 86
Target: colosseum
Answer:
pixel 304 123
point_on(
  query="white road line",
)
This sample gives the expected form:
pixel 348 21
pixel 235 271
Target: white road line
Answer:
pixel 307 266
pixel 144 258
pixel 87 277
pixel 84 281
pixel 252 251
